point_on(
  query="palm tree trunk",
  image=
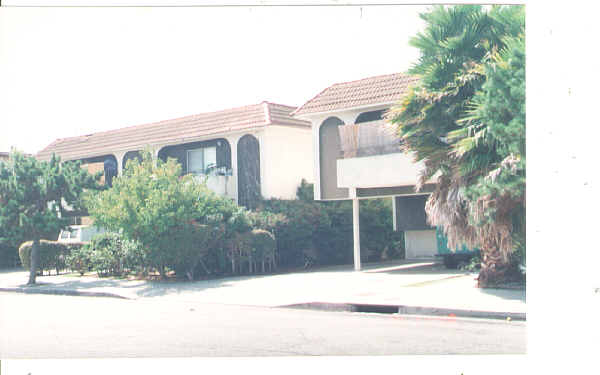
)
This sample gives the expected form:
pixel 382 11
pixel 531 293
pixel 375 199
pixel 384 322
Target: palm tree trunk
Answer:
pixel 493 267
pixel 33 264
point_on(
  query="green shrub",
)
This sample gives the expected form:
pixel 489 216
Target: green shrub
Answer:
pixel 304 223
pixel 9 256
pixel 153 204
pixel 52 255
pixel 252 251
pixel 110 254
pixel 79 259
pixel 190 247
pixel 305 192
pixel 473 264
pixel 322 232
pixel 262 247
pixel 134 260
pixel 395 247
pixel 334 243
pixel 107 254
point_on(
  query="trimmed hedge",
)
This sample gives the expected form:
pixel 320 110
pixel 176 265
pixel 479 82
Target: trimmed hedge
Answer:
pixel 192 248
pixel 53 255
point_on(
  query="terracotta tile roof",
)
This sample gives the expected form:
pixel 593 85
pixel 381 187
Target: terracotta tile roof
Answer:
pixel 368 91
pixel 184 129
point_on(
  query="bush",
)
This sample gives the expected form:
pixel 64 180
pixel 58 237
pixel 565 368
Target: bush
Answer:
pixel 395 247
pixel 153 204
pixel 110 254
pixel 249 250
pixel 9 256
pixel 53 255
pixel 313 232
pixel 79 260
pixel 191 247
pixel 305 191
pixel 297 228
pixel 262 246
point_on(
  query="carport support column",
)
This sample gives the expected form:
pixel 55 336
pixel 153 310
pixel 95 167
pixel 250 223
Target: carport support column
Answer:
pixel 119 156
pixel 355 228
pixel 394 213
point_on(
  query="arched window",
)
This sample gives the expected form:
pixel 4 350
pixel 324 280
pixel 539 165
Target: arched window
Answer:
pixel 110 169
pixel 248 156
pixel 329 151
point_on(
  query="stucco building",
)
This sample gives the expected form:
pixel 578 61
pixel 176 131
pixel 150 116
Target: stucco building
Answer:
pixel 247 152
pixel 356 155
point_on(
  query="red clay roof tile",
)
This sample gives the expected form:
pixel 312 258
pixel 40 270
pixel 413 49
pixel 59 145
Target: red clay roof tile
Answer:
pixel 196 126
pixel 383 89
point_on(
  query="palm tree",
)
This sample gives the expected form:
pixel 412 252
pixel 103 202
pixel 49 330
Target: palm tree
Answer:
pixel 446 120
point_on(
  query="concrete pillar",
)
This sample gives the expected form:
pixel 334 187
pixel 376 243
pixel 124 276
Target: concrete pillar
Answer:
pixel 119 156
pixel 262 154
pixel 394 217
pixel 233 143
pixel 355 228
pixel 316 125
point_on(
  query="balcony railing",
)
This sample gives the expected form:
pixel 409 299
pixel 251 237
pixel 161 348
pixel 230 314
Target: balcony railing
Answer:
pixel 368 138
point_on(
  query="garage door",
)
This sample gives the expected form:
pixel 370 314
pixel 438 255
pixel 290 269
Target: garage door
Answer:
pixel 420 244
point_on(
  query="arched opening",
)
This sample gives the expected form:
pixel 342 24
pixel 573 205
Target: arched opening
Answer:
pixel 370 116
pixel 248 156
pixel 107 164
pixel 213 156
pixel 130 155
pixel 329 151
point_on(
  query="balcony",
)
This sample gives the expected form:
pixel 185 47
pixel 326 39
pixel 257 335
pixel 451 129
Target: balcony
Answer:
pixel 372 157
pixel 368 139
pixel 222 184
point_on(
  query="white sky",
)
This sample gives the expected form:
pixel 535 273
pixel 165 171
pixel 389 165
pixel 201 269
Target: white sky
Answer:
pixel 73 71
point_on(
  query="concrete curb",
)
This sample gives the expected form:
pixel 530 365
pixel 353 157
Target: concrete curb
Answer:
pixel 62 292
pixel 407 310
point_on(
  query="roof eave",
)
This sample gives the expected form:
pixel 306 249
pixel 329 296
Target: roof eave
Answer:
pixel 162 144
pixel 308 115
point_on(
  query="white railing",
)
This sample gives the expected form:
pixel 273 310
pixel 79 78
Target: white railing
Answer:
pixel 222 185
pixel 368 138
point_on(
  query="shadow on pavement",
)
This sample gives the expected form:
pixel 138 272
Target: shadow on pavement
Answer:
pixel 79 285
pixel 510 294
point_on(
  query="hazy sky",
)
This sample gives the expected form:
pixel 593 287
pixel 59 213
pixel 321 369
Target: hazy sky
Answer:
pixel 73 71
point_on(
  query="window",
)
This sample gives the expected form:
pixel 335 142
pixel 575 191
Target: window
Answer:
pixel 201 159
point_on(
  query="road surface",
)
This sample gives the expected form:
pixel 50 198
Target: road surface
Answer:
pixel 46 326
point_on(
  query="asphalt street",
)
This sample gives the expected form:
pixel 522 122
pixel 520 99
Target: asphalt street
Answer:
pixel 45 326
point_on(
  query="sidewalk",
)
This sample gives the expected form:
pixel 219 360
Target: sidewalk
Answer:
pixel 424 287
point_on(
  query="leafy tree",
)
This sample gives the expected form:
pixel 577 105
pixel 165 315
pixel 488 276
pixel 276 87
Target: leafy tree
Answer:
pixel 465 120
pixel 151 203
pixel 33 195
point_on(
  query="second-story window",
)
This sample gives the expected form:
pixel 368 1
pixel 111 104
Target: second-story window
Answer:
pixel 201 160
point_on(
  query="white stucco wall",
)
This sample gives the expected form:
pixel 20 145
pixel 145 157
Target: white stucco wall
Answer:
pixel 395 169
pixel 286 158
